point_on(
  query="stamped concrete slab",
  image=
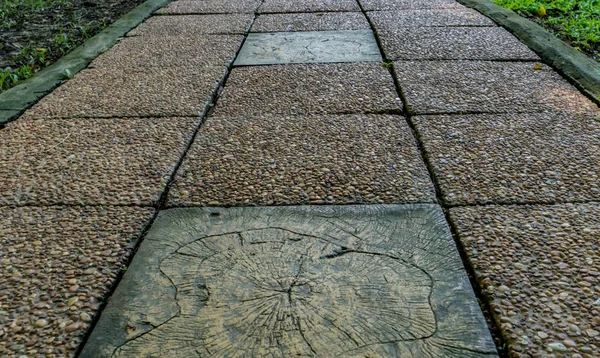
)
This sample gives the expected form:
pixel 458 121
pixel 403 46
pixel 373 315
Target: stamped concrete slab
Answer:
pixel 199 7
pixel 193 25
pixel 383 5
pixel 513 158
pixel 487 86
pixel 90 161
pixel 154 91
pixel 452 43
pixel 301 160
pixel 390 20
pixel 320 21
pixel 183 52
pixel 540 269
pixel 349 281
pixel 309 89
pixel 283 6
pixel 308 47
pixel 57 265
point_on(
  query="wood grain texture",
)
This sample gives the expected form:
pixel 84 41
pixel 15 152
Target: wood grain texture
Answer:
pixel 353 281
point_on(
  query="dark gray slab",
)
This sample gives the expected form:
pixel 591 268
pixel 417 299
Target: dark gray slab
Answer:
pixel 351 281
pixel 308 47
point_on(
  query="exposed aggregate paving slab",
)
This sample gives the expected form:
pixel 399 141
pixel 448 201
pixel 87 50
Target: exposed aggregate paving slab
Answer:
pixel 326 21
pixel 300 160
pixel 308 89
pixel 269 48
pixel 452 43
pixel 318 281
pixel 153 91
pixel 270 6
pixel 187 7
pixel 540 267
pixel 487 86
pixel 370 5
pixel 56 265
pixel 193 25
pixel 90 161
pixel 390 20
pixel 182 52
pixel 513 158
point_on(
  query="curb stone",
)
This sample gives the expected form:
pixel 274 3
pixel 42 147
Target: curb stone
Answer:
pixel 14 101
pixel 579 69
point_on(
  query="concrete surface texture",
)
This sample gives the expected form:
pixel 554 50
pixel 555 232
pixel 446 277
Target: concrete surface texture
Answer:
pixel 453 129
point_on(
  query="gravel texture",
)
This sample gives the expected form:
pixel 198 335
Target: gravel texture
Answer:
pixel 308 89
pixel 370 5
pixel 513 158
pixel 540 268
pixel 486 86
pixel 187 7
pixel 56 264
pixel 269 6
pixel 452 43
pixel 326 21
pixel 193 25
pixel 152 91
pixel 90 161
pixel 392 20
pixel 303 160
pixel 176 51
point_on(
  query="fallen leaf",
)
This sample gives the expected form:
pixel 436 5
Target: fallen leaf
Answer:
pixel 537 66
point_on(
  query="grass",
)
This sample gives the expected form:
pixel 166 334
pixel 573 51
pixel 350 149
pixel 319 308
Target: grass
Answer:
pixel 576 22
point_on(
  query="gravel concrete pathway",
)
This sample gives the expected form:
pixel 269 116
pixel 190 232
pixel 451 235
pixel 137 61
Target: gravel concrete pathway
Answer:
pixel 494 147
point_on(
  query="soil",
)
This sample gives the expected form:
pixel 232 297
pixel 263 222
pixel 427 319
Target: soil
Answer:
pixel 55 30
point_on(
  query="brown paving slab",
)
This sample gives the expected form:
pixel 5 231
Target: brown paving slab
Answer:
pixel 270 6
pixel 183 52
pixel 326 21
pixel 187 7
pixel 486 86
pixel 388 20
pixel 300 160
pixel 308 89
pixel 370 5
pixel 153 91
pixel 452 43
pixel 513 158
pixel 540 268
pixel 90 161
pixel 56 265
pixel 193 25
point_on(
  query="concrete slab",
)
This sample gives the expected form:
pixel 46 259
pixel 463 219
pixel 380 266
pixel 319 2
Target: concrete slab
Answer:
pixel 452 43
pixel 539 267
pixel 270 6
pixel 487 86
pixel 308 47
pixel 153 91
pixel 193 25
pixel 7 115
pixel 199 7
pixel 176 51
pixel 90 161
pixel 301 160
pixel 387 20
pixel 383 5
pixel 513 158
pixel 320 21
pixel 295 281
pixel 308 89
pixel 57 265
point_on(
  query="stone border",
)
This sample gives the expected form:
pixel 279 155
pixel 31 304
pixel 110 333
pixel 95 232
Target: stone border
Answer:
pixel 579 69
pixel 14 101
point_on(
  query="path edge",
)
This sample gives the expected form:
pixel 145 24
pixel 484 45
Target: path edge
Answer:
pixel 579 69
pixel 14 101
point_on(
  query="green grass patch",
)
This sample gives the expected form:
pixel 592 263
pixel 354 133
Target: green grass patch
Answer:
pixel 576 22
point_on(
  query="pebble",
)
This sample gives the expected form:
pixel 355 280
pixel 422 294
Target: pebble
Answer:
pixel 556 346
pixel 41 323
pixel 85 317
